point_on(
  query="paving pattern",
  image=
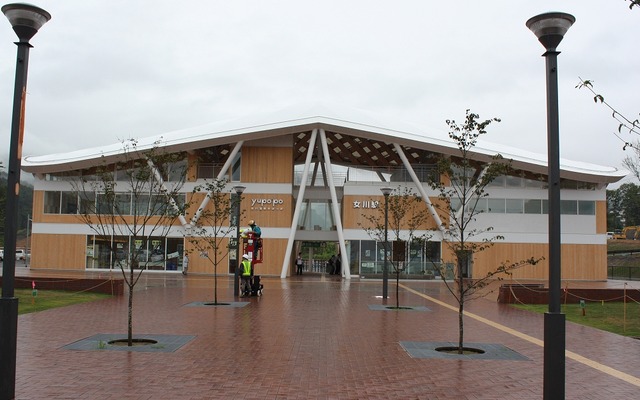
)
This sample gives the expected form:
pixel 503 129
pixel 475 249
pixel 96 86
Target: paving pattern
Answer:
pixel 307 338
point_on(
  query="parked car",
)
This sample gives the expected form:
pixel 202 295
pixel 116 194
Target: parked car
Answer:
pixel 1 254
pixel 21 255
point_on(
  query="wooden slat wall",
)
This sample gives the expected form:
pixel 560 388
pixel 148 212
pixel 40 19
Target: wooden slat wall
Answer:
pixel 579 261
pixel 267 164
pixel 202 265
pixel 601 216
pixel 271 265
pixel 354 216
pixel 278 215
pixel 274 253
pixel 65 252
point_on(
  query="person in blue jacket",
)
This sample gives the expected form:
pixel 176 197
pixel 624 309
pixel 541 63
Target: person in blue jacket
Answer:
pixel 255 229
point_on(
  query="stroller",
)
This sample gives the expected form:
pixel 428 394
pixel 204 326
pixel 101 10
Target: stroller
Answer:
pixel 254 288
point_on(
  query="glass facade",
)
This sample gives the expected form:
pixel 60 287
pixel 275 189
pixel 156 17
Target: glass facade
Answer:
pixel 422 259
pixel 316 215
pixel 154 253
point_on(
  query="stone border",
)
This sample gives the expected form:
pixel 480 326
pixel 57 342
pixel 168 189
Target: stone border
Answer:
pixel 100 342
pixel 230 304
pixel 492 351
pixel 383 307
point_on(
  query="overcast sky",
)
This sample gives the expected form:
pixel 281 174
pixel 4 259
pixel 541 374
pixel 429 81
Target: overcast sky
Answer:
pixel 101 71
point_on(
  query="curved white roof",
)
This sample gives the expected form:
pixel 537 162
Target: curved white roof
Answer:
pixel 305 117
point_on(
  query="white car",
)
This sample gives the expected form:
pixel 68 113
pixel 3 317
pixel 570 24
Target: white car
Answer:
pixel 21 255
pixel 1 254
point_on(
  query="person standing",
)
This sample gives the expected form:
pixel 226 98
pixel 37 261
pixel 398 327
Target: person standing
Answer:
pixel 185 264
pixel 331 265
pixel 299 264
pixel 246 275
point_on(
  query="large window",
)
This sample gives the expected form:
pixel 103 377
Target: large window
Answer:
pixel 526 206
pixel 59 202
pixel 153 253
pixel 316 215
pixel 424 259
pixel 521 182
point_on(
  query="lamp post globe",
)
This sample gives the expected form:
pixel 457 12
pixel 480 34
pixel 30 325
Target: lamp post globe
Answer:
pixel 550 29
pixel 26 20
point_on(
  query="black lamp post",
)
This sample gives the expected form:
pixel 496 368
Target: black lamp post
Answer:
pixel 550 28
pixel 386 191
pixel 236 285
pixel 25 20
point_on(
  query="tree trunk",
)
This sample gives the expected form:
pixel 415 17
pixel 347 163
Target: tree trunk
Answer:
pixel 397 289
pixel 462 261
pixel 461 327
pixel 130 316
pixel 215 284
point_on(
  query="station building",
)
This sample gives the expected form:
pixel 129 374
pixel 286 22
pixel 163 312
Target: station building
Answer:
pixel 312 175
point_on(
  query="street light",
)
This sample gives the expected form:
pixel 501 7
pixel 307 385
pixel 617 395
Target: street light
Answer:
pixel 386 191
pixel 25 20
pixel 550 28
pixel 236 285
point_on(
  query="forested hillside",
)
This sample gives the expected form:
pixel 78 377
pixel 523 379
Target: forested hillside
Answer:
pixel 25 207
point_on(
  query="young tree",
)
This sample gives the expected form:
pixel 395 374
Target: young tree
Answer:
pixel 212 229
pixel 461 197
pixel 131 209
pixel 407 214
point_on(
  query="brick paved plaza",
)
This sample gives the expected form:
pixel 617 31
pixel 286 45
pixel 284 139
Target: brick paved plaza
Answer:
pixel 306 337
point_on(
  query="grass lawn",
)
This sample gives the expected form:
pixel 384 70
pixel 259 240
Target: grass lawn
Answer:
pixel 609 316
pixel 46 299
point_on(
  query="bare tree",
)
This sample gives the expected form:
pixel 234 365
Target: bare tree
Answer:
pixel 407 214
pixel 212 231
pixel 625 124
pixel 131 205
pixel 462 197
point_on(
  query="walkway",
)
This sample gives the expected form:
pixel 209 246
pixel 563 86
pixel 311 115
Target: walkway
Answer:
pixel 307 337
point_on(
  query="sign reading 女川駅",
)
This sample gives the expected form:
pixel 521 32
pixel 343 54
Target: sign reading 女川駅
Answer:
pixel 366 204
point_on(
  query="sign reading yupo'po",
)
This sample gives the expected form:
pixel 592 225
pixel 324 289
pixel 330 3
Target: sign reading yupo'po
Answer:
pixel 273 204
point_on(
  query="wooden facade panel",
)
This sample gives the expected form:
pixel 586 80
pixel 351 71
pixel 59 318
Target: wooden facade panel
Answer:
pixel 272 260
pixel 274 210
pixel 267 164
pixel 579 261
pixel 201 264
pixel 273 256
pixel 356 217
pixel 64 252
pixel 601 217
pixel 38 205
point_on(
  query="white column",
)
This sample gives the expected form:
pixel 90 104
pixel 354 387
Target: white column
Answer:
pixel 160 181
pixel 345 270
pixel 222 173
pixel 423 193
pixel 296 210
